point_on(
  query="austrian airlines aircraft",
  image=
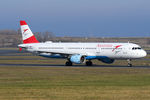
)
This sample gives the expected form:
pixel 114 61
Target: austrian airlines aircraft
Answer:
pixel 79 53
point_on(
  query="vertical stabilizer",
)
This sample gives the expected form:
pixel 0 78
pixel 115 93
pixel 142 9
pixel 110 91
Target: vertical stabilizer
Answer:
pixel 27 34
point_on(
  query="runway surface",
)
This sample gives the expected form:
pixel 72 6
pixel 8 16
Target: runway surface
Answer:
pixel 46 65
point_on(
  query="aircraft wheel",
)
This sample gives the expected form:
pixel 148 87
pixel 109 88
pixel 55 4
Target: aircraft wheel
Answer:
pixel 89 63
pixel 129 63
pixel 68 63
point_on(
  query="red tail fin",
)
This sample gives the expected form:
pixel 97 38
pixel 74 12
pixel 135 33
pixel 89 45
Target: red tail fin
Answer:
pixel 27 34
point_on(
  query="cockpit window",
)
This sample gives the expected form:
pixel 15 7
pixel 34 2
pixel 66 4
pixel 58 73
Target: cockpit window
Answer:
pixel 136 48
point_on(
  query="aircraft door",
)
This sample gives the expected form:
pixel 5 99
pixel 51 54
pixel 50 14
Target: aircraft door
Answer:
pixel 98 50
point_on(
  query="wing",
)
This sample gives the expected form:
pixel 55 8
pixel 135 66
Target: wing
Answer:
pixel 62 52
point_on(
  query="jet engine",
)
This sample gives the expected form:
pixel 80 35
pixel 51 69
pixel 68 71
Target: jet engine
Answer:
pixel 78 59
pixel 107 60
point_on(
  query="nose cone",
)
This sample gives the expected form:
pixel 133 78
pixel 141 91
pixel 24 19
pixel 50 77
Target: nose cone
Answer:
pixel 143 53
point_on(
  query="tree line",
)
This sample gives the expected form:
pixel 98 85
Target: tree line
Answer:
pixel 11 38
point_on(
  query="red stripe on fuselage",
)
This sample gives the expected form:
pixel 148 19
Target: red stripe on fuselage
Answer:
pixel 31 39
pixel 116 47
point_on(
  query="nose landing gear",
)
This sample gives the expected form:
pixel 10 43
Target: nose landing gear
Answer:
pixel 129 62
pixel 89 63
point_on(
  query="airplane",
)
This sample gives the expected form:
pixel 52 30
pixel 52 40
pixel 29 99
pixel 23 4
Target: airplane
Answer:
pixel 79 53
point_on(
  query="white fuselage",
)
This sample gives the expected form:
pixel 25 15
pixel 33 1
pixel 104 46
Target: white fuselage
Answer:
pixel 110 50
pixel 80 52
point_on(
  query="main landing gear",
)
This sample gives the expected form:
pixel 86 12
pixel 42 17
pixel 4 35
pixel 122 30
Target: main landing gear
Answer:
pixel 68 63
pixel 89 63
pixel 129 62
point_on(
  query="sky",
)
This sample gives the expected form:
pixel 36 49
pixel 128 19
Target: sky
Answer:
pixel 85 18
